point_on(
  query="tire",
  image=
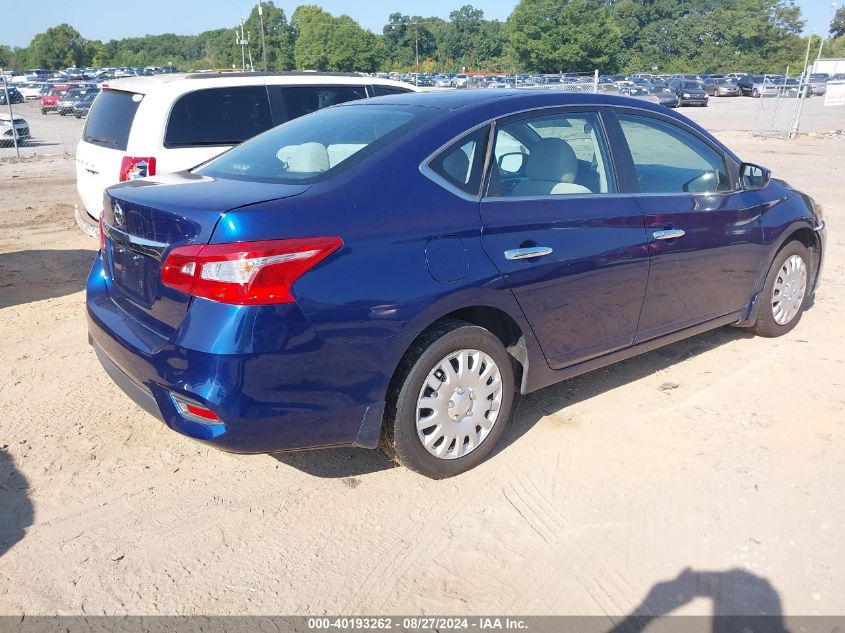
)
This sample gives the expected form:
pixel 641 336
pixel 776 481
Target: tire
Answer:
pixel 776 320
pixel 755 94
pixel 449 342
pixel 43 110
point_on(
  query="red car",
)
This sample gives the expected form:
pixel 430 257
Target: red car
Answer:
pixel 48 101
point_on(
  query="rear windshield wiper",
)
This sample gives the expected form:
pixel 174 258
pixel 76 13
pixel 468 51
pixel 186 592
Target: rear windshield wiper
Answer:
pixel 107 141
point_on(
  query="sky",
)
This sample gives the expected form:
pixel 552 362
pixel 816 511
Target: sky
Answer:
pixel 106 19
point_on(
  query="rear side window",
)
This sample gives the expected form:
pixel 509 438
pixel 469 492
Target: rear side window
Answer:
pixel 461 164
pixel 218 116
pixel 110 120
pixel 298 101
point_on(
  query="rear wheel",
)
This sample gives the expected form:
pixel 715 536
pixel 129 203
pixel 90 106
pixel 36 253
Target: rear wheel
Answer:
pixel 785 291
pixel 451 402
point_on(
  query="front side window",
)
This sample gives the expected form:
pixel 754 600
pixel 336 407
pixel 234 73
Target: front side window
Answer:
pixel 462 163
pixel 317 146
pixel 668 159
pixel 218 116
pixel 558 154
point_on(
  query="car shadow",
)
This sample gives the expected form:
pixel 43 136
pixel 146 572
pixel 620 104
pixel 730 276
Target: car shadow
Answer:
pixel 15 507
pixel 337 463
pixel 27 276
pixel 741 601
pixel 350 462
pixel 533 407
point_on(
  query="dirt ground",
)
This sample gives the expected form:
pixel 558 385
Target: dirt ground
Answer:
pixel 705 476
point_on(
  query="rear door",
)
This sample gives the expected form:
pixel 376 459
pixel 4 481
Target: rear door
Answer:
pixel 103 145
pixel 571 248
pixel 705 237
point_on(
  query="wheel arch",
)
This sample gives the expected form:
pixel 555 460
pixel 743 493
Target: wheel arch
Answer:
pixel 493 319
pixel 801 231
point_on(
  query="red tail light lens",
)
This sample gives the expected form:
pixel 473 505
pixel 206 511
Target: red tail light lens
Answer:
pixel 248 273
pixel 132 167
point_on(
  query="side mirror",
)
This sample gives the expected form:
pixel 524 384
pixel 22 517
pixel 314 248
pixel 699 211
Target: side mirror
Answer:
pixel 753 177
pixel 511 163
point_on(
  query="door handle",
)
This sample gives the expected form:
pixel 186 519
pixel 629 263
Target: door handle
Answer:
pixel 668 234
pixel 526 253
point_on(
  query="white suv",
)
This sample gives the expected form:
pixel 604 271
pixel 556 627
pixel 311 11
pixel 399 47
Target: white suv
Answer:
pixel 152 125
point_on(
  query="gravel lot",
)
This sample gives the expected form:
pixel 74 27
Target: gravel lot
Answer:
pixel 703 476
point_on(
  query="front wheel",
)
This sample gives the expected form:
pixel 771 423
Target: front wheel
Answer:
pixel 451 401
pixel 785 291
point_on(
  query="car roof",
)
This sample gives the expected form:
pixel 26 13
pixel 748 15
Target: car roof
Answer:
pixel 505 100
pixel 182 82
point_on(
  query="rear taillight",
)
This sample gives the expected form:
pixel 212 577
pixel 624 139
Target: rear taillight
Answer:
pixel 132 167
pixel 248 273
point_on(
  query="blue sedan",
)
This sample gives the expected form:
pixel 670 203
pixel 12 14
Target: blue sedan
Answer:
pixel 393 271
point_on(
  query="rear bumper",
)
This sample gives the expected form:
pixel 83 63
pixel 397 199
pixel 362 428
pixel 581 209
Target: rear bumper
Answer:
pixel 299 395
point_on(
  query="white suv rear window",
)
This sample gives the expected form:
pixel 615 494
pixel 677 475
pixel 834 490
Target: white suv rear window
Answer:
pixel 110 120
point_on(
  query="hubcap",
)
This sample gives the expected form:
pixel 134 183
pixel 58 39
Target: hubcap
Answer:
pixel 459 403
pixel 789 289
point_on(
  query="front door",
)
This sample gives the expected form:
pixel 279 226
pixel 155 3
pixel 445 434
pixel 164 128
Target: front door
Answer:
pixel 705 238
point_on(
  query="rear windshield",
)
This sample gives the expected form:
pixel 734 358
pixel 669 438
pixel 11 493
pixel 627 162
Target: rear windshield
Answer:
pixel 218 116
pixel 110 120
pixel 317 146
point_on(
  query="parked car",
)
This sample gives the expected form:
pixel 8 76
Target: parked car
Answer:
pixel 721 87
pixel 288 295
pixel 776 85
pixel 459 81
pixel 709 82
pixel 142 126
pixel 66 103
pixel 638 92
pixel 747 82
pixel 14 95
pixel 9 130
pixel 50 99
pixel 83 106
pixel 30 90
pixel 689 92
pixel 665 96
pixel 817 83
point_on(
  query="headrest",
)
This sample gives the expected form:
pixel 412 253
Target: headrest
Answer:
pixel 552 159
pixel 309 158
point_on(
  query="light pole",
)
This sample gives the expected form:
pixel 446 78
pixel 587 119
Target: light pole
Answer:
pixel 821 43
pixel 263 43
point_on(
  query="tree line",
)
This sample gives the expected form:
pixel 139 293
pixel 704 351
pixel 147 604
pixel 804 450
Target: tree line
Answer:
pixel 539 36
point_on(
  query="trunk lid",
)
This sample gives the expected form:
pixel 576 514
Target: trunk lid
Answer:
pixel 146 218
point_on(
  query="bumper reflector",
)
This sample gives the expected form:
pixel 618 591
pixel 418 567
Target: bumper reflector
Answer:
pixel 194 411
